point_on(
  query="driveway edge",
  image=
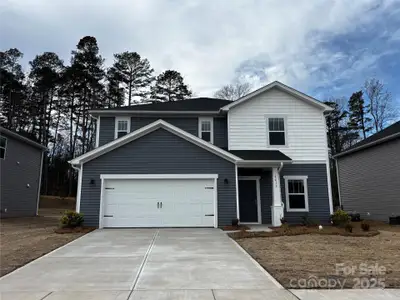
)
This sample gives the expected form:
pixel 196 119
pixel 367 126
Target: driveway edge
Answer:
pixel 18 269
pixel 258 265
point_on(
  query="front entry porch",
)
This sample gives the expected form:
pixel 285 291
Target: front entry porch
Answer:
pixel 259 196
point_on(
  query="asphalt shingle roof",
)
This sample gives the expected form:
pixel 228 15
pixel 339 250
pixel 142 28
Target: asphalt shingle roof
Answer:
pixel 193 104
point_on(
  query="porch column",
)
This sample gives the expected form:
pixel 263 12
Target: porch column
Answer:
pixel 277 211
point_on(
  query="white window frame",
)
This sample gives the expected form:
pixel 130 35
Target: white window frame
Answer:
pixel 305 182
pixel 5 148
pixel 284 117
pixel 117 119
pixel 211 120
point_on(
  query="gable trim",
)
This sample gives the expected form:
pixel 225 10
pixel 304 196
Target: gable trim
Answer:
pixel 146 130
pixel 284 88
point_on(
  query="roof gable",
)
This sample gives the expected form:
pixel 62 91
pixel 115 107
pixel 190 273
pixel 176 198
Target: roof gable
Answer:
pixel 146 130
pixel 282 87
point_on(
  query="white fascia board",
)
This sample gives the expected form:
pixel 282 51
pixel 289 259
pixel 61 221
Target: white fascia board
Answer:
pixel 283 87
pixel 261 163
pixel 159 176
pixel 146 130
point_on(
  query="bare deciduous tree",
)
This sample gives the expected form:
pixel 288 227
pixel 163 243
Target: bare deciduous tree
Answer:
pixel 380 101
pixel 233 91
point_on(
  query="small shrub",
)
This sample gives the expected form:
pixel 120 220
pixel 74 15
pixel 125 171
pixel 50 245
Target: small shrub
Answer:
pixel 355 217
pixel 71 219
pixel 283 221
pixel 348 227
pixel 235 222
pixel 340 218
pixel 365 226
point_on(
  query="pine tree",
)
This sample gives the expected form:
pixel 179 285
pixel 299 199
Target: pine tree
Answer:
pixel 134 73
pixel 169 86
pixel 358 118
pixel 12 90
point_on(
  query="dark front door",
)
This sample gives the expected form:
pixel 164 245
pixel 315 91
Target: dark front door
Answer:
pixel 248 211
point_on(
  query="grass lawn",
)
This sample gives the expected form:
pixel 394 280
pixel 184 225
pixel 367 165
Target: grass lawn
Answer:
pixel 292 258
pixel 25 239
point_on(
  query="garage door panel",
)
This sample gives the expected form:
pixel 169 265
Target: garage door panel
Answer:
pixel 133 203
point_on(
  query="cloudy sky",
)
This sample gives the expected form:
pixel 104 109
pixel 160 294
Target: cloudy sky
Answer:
pixel 324 48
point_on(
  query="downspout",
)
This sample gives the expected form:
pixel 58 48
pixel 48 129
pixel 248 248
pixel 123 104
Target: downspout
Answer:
pixel 279 172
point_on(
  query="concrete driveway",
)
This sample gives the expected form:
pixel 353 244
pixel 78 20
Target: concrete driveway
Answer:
pixel 121 264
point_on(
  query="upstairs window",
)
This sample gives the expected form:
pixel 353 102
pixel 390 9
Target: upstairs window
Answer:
pixel 3 147
pixel 276 128
pixel 206 129
pixel 296 193
pixel 122 126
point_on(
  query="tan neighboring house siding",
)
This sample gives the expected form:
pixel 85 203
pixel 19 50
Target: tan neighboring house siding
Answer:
pixel 369 180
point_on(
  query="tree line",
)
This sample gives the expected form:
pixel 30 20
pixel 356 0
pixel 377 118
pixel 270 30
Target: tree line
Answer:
pixel 365 112
pixel 50 103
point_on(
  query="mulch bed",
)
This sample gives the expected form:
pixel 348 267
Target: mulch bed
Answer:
pixel 74 230
pixel 300 230
pixel 232 228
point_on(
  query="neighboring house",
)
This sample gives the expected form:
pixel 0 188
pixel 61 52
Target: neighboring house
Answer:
pixel 21 169
pixel 369 175
pixel 204 162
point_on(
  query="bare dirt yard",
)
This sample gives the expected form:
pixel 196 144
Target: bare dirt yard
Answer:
pixel 25 239
pixel 296 260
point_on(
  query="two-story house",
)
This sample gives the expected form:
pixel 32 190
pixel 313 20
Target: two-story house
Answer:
pixel 203 162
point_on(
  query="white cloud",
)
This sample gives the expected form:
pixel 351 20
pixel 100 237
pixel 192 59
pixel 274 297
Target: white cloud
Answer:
pixel 206 40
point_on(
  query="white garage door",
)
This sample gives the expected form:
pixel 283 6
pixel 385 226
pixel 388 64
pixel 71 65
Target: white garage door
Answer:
pixel 158 203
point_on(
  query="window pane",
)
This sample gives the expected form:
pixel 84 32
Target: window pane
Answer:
pixel 122 125
pixel 3 142
pixel 276 124
pixel 122 133
pixel 277 138
pixel 206 136
pixel 205 126
pixel 2 153
pixel 296 186
pixel 297 201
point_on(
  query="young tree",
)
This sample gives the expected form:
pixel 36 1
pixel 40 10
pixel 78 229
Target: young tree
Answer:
pixel 134 72
pixel 380 103
pixel 233 91
pixel 358 118
pixel 169 86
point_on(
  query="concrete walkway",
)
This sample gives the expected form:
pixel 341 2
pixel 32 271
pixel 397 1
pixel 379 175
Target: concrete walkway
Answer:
pixel 121 264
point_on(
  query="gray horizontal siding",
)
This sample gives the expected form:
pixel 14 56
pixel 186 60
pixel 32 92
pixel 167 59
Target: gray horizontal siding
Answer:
pixel 318 199
pixel 317 191
pixel 159 152
pixel 187 123
pixel 107 130
pixel 20 167
pixel 370 181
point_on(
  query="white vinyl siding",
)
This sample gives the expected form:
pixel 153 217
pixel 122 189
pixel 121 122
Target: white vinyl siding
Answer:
pixel 304 126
